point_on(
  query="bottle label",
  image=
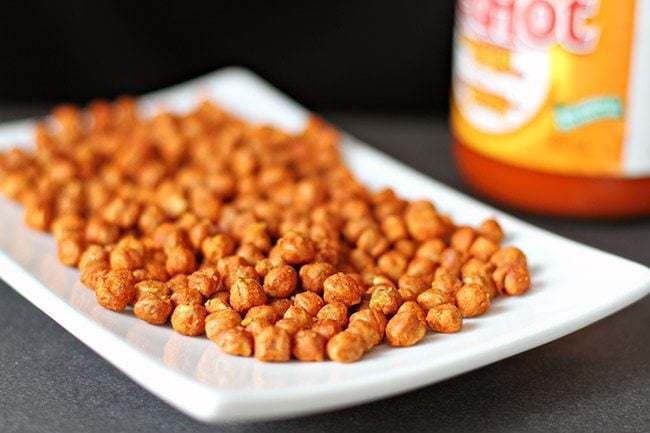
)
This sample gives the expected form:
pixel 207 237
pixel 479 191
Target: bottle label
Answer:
pixel 550 84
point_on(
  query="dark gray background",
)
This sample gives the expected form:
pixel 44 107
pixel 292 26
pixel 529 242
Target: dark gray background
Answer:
pixel 595 380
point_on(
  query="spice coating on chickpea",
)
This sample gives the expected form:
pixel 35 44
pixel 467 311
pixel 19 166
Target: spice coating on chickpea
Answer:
pixel 245 294
pixel 445 318
pixel 472 300
pixel 385 299
pixel 153 308
pixel 235 341
pixel 341 288
pixel 115 290
pixel 405 329
pixel 189 319
pixel 221 320
pixel 280 282
pixel 313 275
pixel 345 347
pixel 308 345
pixel 273 344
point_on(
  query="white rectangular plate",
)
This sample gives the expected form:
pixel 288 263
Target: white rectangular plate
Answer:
pixel 573 286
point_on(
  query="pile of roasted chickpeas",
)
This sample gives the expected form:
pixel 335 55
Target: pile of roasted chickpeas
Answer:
pixel 262 240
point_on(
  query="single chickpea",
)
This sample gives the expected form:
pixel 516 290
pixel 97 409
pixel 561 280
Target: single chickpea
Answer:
pixel 369 334
pixel 360 259
pixel 508 256
pixel 70 225
pixel 336 311
pixel 257 234
pixel 69 250
pixel 217 247
pixel 313 275
pixel 219 321
pixel 302 317
pixel 93 253
pixel 153 309
pixel 326 327
pixel 115 290
pixel 93 273
pixel 394 228
pixel 150 218
pixel 472 300
pixel 431 249
pixel 246 293
pixel 342 288
pixel 205 281
pixel 432 297
pixel 38 216
pixel 289 325
pixel 475 266
pixel 178 282
pixel 180 260
pixel 235 341
pixel 516 280
pixel 372 242
pixel 262 267
pixel 413 307
pixel 485 282
pixel 122 257
pixel 345 347
pixel 424 224
pixel 187 296
pixel 257 325
pixel 273 344
pixel 451 260
pixel 199 232
pixel 189 319
pixel 385 299
pixel 280 282
pixel 281 305
pixel 483 248
pixel 250 253
pixel 462 239
pixel 150 287
pixel 445 318
pixel 407 247
pixel 100 232
pixel 393 264
pixel 309 301
pixel 446 283
pixel 216 304
pixel 308 345
pixel 296 249
pixel 410 287
pixel 491 229
pixel 265 312
pixel 422 267
pixel 405 329
pixel 374 317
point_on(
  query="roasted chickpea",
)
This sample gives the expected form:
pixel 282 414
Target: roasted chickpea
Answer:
pixel 472 300
pixel 445 318
pixel 326 327
pixel 265 312
pixel 235 341
pixel 302 317
pixel 187 295
pixel 245 294
pixel 508 256
pixel 516 280
pixel 221 320
pixel 273 344
pixel 483 248
pixel 93 273
pixel 296 249
pixel 431 249
pixel 313 275
pixel 462 239
pixel 413 307
pixel 385 299
pixel 216 304
pixel 152 308
pixel 217 247
pixel 289 325
pixel 150 287
pixel 368 333
pixel 393 264
pixel 394 228
pixel 205 281
pixel 345 347
pixel 410 287
pixel 116 289
pixel 336 311
pixel 308 345
pixel 180 260
pixel 189 319
pixel 432 297
pixel 280 306
pixel 405 329
pixel 280 282
pixel 491 229
pixel 374 317
pixel 309 301
pixel 69 250
pixel 93 253
pixel 372 242
pixel 341 288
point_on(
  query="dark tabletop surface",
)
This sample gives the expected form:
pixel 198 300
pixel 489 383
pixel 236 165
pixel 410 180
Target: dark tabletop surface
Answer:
pixel 594 380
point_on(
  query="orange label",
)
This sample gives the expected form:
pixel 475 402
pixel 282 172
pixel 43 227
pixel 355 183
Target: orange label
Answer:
pixel 544 83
